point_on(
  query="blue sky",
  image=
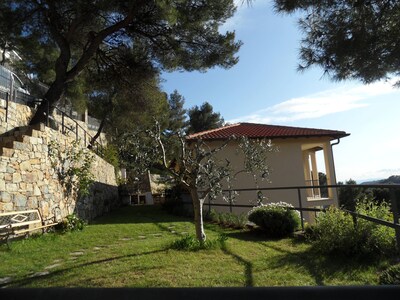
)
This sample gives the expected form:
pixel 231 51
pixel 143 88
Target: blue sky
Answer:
pixel 264 87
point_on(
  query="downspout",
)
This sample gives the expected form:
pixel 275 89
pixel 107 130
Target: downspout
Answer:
pixel 334 168
pixel 333 159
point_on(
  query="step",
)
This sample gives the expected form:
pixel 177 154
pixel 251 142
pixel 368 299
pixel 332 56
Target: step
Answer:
pixel 6 139
pixel 32 130
pixel 27 139
pixel 8 152
pixel 17 146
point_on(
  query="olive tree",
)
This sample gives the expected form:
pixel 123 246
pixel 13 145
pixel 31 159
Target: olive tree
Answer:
pixel 205 174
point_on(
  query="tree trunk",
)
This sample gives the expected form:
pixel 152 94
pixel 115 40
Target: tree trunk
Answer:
pixel 52 96
pixel 109 108
pixel 94 138
pixel 198 214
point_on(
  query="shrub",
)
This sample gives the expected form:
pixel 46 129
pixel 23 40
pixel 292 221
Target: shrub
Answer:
pixel 228 219
pixel 240 221
pixel 223 218
pixel 333 232
pixel 390 276
pixel 337 232
pixel 191 243
pixel 214 216
pixel 374 238
pixel 275 219
pixel 71 223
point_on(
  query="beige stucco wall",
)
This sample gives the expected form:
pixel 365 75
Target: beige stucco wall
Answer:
pixel 287 170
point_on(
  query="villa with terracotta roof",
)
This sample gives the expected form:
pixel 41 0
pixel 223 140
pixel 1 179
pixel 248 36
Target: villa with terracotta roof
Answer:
pixel 293 164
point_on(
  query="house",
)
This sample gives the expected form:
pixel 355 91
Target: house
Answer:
pixel 294 164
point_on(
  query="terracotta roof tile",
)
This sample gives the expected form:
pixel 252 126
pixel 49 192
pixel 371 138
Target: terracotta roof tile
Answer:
pixel 252 130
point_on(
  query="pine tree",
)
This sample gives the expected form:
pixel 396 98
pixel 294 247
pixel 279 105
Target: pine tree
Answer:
pixel 203 118
pixel 176 35
pixel 349 39
pixel 177 114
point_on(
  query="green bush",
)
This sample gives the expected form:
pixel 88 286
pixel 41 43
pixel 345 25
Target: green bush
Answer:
pixel 225 219
pixel 228 219
pixel 71 223
pixel 240 221
pixel 275 219
pixel 191 243
pixel 337 232
pixel 390 276
pixel 333 232
pixel 213 216
pixel 374 238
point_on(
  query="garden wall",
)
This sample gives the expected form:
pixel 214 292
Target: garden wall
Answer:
pixel 18 115
pixel 29 181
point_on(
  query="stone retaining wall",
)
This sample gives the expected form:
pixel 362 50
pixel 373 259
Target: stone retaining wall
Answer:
pixel 18 115
pixel 28 180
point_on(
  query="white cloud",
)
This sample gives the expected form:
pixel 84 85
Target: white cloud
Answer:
pixel 319 104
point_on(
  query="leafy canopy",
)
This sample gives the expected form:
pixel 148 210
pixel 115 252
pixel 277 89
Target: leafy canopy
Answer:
pixel 349 39
pixel 59 39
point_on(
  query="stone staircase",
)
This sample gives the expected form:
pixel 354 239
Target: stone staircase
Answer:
pixel 21 138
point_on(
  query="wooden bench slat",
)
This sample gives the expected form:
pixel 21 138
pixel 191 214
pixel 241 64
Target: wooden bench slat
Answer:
pixel 9 226
pixel 35 228
pixel 19 212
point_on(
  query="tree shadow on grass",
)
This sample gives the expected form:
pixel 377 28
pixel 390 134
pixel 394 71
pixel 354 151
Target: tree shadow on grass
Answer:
pixel 250 236
pixel 248 266
pixel 27 279
pixel 320 267
pixel 138 215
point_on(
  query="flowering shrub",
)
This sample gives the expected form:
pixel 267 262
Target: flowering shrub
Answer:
pixel 71 223
pixel 275 219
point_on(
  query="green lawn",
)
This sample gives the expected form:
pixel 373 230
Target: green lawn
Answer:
pixel 129 248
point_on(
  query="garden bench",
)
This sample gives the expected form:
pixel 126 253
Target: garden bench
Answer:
pixel 16 223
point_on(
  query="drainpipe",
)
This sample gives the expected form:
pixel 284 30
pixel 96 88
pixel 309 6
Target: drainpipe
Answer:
pixel 333 160
pixel 334 168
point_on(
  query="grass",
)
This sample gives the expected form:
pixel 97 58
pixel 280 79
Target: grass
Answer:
pixel 131 248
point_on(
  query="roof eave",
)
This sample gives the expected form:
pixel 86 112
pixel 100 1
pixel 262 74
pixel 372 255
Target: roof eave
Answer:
pixel 333 136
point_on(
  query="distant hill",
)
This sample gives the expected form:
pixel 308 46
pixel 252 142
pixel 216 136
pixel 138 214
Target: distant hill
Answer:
pixel 394 179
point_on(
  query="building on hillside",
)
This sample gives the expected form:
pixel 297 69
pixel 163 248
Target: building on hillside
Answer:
pixel 294 163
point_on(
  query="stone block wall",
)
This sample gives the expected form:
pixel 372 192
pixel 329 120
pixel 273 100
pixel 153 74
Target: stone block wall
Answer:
pixel 28 180
pixel 18 115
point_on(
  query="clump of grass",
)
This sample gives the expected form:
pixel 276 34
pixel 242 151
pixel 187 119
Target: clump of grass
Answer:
pixel 191 243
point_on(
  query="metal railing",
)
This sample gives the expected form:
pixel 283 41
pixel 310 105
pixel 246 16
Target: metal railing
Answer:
pixel 80 133
pixel 394 202
pixel 5 96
